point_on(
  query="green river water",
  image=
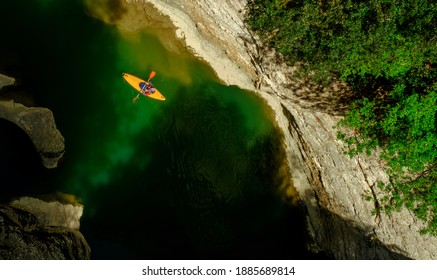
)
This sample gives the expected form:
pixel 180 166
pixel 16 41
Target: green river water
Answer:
pixel 196 176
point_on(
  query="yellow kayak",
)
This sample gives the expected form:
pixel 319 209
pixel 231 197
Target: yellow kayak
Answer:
pixel 144 87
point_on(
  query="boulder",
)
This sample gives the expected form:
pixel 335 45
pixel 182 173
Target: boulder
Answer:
pixel 31 229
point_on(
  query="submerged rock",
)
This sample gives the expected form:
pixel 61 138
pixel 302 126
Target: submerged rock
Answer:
pixel 39 124
pixel 31 229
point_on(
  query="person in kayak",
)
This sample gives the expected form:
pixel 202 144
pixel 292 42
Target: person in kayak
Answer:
pixel 147 88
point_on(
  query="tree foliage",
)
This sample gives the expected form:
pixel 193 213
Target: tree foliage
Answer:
pixel 386 50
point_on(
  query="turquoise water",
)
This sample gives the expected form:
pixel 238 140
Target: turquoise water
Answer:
pixel 196 176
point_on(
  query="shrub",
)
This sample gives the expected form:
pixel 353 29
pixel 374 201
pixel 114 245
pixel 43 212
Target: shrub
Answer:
pixel 386 51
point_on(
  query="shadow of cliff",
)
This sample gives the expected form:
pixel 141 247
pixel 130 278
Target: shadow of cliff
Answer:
pixel 344 239
pixel 338 237
pixel 21 170
pixel 333 100
pixel 179 210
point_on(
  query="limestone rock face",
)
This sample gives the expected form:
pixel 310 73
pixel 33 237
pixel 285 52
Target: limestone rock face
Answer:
pixel 39 124
pixel 40 236
pixel 330 184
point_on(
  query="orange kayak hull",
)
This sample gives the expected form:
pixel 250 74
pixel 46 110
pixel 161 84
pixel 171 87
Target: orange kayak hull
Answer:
pixel 135 82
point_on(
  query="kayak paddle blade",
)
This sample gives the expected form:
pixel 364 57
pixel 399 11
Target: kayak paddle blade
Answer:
pixel 135 98
pixel 152 74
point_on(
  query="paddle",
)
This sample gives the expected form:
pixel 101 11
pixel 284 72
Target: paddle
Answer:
pixel 135 98
pixel 152 74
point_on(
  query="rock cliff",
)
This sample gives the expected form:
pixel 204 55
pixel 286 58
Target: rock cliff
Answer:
pixel 31 229
pixel 38 123
pixel 331 185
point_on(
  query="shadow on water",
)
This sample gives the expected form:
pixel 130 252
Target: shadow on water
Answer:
pixel 199 178
pixel 193 177
pixel 207 194
pixel 20 165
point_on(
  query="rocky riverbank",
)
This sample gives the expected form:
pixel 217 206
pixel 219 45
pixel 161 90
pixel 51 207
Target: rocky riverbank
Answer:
pixel 332 186
pixel 32 229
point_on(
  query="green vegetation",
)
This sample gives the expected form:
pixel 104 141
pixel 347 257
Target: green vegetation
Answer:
pixel 386 50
